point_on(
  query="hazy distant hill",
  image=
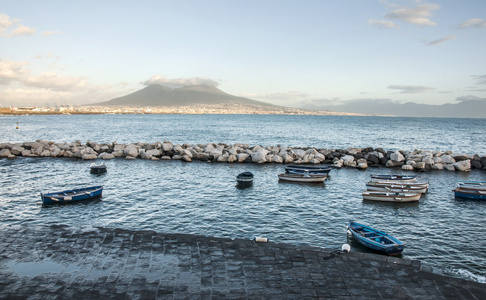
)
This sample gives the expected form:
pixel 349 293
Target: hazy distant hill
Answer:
pixel 157 95
pixel 462 109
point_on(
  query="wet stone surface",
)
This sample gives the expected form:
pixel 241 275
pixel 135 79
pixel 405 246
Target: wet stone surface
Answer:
pixel 57 262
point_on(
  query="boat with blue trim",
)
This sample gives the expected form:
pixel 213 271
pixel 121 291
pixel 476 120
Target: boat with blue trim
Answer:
pixel 374 239
pixel 69 196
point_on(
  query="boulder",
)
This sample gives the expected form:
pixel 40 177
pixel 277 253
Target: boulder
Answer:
pixel 17 150
pixel 476 164
pixel 464 165
pixel 407 168
pixel 449 167
pixel 348 160
pixel 459 156
pixel 437 166
pixel 397 157
pixel 167 146
pixel 418 165
pixel 259 156
pixel 5 153
pixel 89 156
pixel 241 157
pixel 105 155
pixel 447 159
pixel 362 165
pixel 393 164
pixel 131 150
pixel 277 159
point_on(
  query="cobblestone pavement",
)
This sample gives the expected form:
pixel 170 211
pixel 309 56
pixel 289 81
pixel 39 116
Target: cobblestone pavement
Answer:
pixel 56 262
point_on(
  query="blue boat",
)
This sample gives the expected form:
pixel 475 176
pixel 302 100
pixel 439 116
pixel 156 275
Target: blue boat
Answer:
pixel 470 194
pixel 311 170
pixel 70 196
pixel 375 239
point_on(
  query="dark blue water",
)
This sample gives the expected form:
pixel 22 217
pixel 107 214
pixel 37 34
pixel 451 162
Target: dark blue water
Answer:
pixel 201 198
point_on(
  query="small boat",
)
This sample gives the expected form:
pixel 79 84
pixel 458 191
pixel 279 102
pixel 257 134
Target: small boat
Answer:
pixel 69 196
pixel 390 197
pixel 97 169
pixel 395 188
pixel 397 182
pixel 244 179
pixel 472 185
pixel 302 177
pixel 402 178
pixel 470 194
pixel 302 169
pixel 375 239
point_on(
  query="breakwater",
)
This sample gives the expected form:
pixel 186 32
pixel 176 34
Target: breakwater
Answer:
pixel 360 158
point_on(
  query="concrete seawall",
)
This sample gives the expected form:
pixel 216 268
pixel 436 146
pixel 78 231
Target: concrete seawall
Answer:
pixel 59 262
pixel 360 158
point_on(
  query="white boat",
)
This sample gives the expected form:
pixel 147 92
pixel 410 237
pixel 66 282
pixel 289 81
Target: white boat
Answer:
pixel 400 178
pixel 390 197
pixel 395 188
pixel 472 185
pixel 393 182
pixel 302 177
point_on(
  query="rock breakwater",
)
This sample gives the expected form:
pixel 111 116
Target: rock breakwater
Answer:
pixel 360 158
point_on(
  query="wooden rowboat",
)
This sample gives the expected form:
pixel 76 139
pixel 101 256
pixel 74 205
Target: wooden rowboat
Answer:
pixel 375 239
pixel 395 188
pixel 472 185
pixel 302 169
pixel 402 178
pixel 69 196
pixel 390 197
pixel 470 194
pixel 302 177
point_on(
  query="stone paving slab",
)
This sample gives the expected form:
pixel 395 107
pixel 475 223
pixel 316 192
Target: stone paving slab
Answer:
pixel 58 262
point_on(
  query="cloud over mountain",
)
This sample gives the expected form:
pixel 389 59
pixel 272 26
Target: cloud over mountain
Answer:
pixel 179 82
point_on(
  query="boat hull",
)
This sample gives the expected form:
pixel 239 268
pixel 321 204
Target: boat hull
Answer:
pixel 399 178
pixel 302 178
pixel 472 185
pixel 375 239
pixel 396 188
pixel 75 195
pixel 97 169
pixel 470 194
pixel 390 197
pixel 302 169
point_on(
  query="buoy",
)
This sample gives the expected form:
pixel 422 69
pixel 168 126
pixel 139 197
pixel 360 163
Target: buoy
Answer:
pixel 17 126
pixel 346 248
pixel 260 240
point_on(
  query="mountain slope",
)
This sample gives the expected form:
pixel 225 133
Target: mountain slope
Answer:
pixel 463 109
pixel 157 95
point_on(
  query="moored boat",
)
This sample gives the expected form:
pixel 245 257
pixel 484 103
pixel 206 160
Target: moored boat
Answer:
pixel 74 195
pixel 244 179
pixel 396 188
pixel 393 182
pixel 375 239
pixel 390 197
pixel 470 194
pixel 97 169
pixel 402 178
pixel 472 185
pixel 302 169
pixel 302 177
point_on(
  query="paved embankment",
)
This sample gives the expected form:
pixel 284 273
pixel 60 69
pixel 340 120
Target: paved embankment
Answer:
pixel 62 263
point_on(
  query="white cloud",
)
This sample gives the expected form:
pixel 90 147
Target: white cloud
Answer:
pixel 383 24
pixel 179 82
pixel 475 23
pixel 440 41
pixel 419 15
pixel 12 27
pixel 11 71
pixel 411 89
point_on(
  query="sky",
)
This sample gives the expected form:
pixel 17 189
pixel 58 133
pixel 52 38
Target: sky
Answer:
pixel 283 52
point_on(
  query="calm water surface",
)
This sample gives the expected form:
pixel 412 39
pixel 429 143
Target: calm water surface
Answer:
pixel 201 198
